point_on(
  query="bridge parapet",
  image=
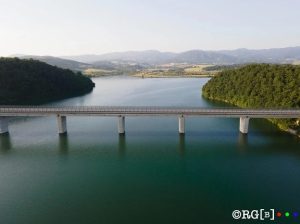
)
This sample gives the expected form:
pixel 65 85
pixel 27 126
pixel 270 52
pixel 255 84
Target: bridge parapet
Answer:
pixel 61 112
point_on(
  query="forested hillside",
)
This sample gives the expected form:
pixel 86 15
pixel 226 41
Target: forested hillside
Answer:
pixel 58 62
pixel 259 86
pixel 34 82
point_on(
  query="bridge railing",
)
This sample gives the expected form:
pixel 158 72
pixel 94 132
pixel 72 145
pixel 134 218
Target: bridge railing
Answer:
pixel 61 112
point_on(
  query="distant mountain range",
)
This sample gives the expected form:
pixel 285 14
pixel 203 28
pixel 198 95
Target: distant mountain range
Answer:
pixel 156 57
pixel 274 55
pixel 153 57
pixel 56 61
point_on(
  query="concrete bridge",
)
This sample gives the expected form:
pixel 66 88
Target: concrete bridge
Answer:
pixel 123 111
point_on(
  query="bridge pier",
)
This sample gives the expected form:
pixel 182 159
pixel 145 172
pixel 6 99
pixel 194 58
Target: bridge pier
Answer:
pixel 3 125
pixel 62 124
pixel 244 124
pixel 121 125
pixel 181 125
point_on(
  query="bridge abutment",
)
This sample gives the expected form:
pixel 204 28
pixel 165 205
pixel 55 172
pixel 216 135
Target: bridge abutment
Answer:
pixel 121 125
pixel 62 124
pixel 3 125
pixel 181 124
pixel 244 124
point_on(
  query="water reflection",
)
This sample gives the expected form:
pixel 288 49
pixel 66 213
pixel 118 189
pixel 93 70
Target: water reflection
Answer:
pixel 5 143
pixel 181 145
pixel 242 142
pixel 122 145
pixel 63 144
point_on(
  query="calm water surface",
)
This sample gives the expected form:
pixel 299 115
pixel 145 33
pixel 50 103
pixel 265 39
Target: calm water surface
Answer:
pixel 152 175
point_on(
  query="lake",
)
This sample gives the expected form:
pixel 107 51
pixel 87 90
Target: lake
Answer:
pixel 150 175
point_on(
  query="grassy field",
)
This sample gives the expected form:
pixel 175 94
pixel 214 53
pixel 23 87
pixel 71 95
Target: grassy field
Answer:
pixel 196 69
pixel 187 71
pixel 163 71
pixel 92 72
pixel 296 62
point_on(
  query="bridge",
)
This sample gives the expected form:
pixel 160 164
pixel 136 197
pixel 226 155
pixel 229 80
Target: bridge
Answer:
pixel 61 113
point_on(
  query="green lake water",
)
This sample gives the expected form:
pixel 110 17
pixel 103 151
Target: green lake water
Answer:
pixel 150 175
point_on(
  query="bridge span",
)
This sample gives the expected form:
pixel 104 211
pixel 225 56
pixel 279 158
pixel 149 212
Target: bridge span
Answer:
pixel 61 112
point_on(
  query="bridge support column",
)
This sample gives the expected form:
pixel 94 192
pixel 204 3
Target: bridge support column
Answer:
pixel 181 124
pixel 244 125
pixel 62 124
pixel 121 125
pixel 3 125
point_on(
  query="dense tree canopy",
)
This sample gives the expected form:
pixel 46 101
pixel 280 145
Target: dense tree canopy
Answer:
pixel 259 86
pixel 34 82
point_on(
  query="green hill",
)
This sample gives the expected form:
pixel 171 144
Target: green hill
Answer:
pixel 58 62
pixel 259 86
pixel 34 82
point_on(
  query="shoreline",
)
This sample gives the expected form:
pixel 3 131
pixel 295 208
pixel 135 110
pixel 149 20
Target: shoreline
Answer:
pixel 172 76
pixel 154 76
pixel 278 126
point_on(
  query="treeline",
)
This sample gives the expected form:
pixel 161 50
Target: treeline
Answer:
pixel 259 86
pixel 221 67
pixel 34 82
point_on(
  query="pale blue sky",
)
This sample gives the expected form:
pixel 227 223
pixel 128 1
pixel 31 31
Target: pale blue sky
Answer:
pixel 71 27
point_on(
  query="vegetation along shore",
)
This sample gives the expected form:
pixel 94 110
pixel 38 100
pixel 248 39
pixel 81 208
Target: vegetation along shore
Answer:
pixel 259 86
pixel 28 81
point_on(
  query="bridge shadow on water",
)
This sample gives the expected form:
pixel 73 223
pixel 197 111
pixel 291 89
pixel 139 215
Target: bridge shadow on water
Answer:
pixel 181 145
pixel 63 144
pixel 5 143
pixel 242 142
pixel 122 145
pixel 272 143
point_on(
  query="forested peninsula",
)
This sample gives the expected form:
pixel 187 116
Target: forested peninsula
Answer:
pixel 33 82
pixel 259 86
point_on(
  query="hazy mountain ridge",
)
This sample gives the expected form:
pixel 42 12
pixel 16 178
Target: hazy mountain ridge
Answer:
pixel 199 56
pixel 57 61
pixel 148 56
pixel 273 55
pixel 142 59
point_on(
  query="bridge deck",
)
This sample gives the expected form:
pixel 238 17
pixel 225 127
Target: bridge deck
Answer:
pixel 145 111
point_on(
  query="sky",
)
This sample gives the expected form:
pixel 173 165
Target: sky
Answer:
pixel 74 27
